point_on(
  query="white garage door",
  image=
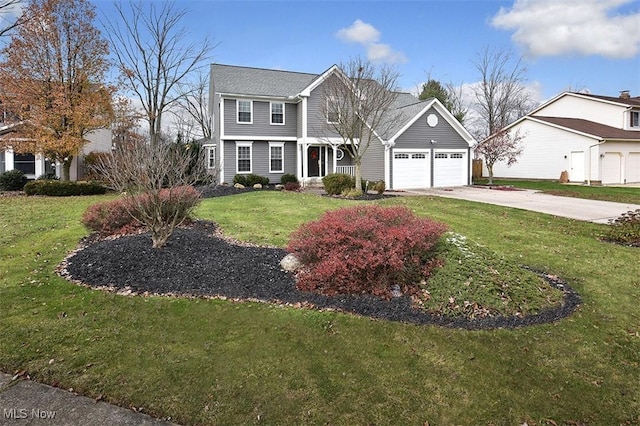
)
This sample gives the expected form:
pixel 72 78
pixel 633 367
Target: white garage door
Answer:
pixel 411 170
pixel 633 167
pixel 450 169
pixel 611 168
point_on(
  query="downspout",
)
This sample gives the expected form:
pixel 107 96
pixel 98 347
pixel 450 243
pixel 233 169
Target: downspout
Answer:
pixel 387 163
pixel 589 168
pixel 221 138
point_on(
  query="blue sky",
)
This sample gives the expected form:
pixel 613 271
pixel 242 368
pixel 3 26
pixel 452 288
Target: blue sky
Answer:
pixel 566 44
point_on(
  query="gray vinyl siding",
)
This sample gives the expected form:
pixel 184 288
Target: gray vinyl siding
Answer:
pixel 259 160
pixel 373 161
pixel 318 127
pixel 261 117
pixel 419 135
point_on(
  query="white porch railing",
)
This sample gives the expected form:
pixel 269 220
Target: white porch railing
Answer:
pixel 348 170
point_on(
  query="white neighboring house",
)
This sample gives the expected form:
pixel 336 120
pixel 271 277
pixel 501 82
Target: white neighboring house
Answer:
pixel 596 139
pixel 35 165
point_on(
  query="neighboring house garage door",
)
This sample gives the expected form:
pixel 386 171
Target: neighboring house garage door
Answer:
pixel 450 169
pixel 633 167
pixel 411 169
pixel 611 168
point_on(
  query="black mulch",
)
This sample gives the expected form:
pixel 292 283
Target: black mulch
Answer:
pixel 196 263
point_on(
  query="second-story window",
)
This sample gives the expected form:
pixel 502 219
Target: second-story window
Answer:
pixel 277 113
pixel 333 111
pixel 244 111
pixel 634 121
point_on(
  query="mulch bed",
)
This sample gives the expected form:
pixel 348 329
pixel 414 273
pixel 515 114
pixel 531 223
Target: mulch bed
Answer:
pixel 198 262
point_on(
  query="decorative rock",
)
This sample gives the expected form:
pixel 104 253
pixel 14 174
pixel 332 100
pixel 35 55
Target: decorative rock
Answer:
pixel 290 263
pixel 238 185
pixel 257 186
pixel 395 291
pixel 279 187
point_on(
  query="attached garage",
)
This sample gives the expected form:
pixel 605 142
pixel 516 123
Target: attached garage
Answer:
pixel 633 168
pixel 611 168
pixel 411 169
pixel 450 168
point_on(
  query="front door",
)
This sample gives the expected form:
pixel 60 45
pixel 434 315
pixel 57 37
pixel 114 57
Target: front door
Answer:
pixel 315 161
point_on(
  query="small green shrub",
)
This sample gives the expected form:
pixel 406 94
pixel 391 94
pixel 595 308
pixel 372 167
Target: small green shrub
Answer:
pixel 625 229
pixel 48 176
pixel 56 188
pixel 12 180
pixel 337 183
pixel 287 178
pixel 250 180
pixel 352 193
pixel 379 187
pixel 366 249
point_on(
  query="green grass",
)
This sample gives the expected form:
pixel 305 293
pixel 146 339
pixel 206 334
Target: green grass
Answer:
pixel 219 362
pixel 603 193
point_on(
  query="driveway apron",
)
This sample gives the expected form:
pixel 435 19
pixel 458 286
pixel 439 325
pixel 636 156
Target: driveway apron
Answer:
pixel 573 208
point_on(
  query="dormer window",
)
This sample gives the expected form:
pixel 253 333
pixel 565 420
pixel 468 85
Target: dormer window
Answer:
pixel 634 119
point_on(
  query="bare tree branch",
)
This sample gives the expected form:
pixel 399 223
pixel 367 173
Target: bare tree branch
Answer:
pixel 153 56
pixel 358 107
pixel 10 8
pixel 502 96
pixel 192 108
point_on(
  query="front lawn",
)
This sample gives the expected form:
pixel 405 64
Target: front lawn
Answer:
pixel 221 362
pixel 595 192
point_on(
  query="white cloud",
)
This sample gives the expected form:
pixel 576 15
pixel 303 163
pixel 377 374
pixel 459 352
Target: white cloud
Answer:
pixel 584 27
pixel 359 32
pixel 368 36
pixel 383 53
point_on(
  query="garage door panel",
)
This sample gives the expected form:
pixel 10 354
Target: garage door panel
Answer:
pixel 450 169
pixel 611 168
pixel 633 167
pixel 411 170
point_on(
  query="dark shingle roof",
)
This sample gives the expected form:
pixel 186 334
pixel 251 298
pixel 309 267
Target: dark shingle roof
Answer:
pixel 635 101
pixel 596 129
pixel 259 81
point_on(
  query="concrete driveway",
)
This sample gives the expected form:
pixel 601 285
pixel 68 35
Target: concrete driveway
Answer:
pixel 573 208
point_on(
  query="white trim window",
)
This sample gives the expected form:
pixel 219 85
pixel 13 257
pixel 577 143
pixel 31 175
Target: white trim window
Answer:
pixel 277 113
pixel 244 111
pixel 333 111
pixel 634 119
pixel 276 157
pixel 244 151
pixel 211 156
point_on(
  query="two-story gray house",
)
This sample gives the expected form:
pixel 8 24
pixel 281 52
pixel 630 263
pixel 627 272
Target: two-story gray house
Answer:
pixel 269 122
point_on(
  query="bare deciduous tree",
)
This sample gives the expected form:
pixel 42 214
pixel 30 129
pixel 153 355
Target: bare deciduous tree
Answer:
pixel 192 109
pixel 502 146
pixel 157 181
pixel 502 95
pixel 153 56
pixel 358 106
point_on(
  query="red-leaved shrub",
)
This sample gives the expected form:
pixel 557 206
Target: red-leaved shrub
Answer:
pixel 159 212
pixel 366 249
pixel 110 218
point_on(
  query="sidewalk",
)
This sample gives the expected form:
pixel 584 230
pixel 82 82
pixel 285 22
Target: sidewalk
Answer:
pixel 569 207
pixel 24 402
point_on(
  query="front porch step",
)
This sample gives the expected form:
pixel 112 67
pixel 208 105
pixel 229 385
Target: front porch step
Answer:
pixel 313 183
